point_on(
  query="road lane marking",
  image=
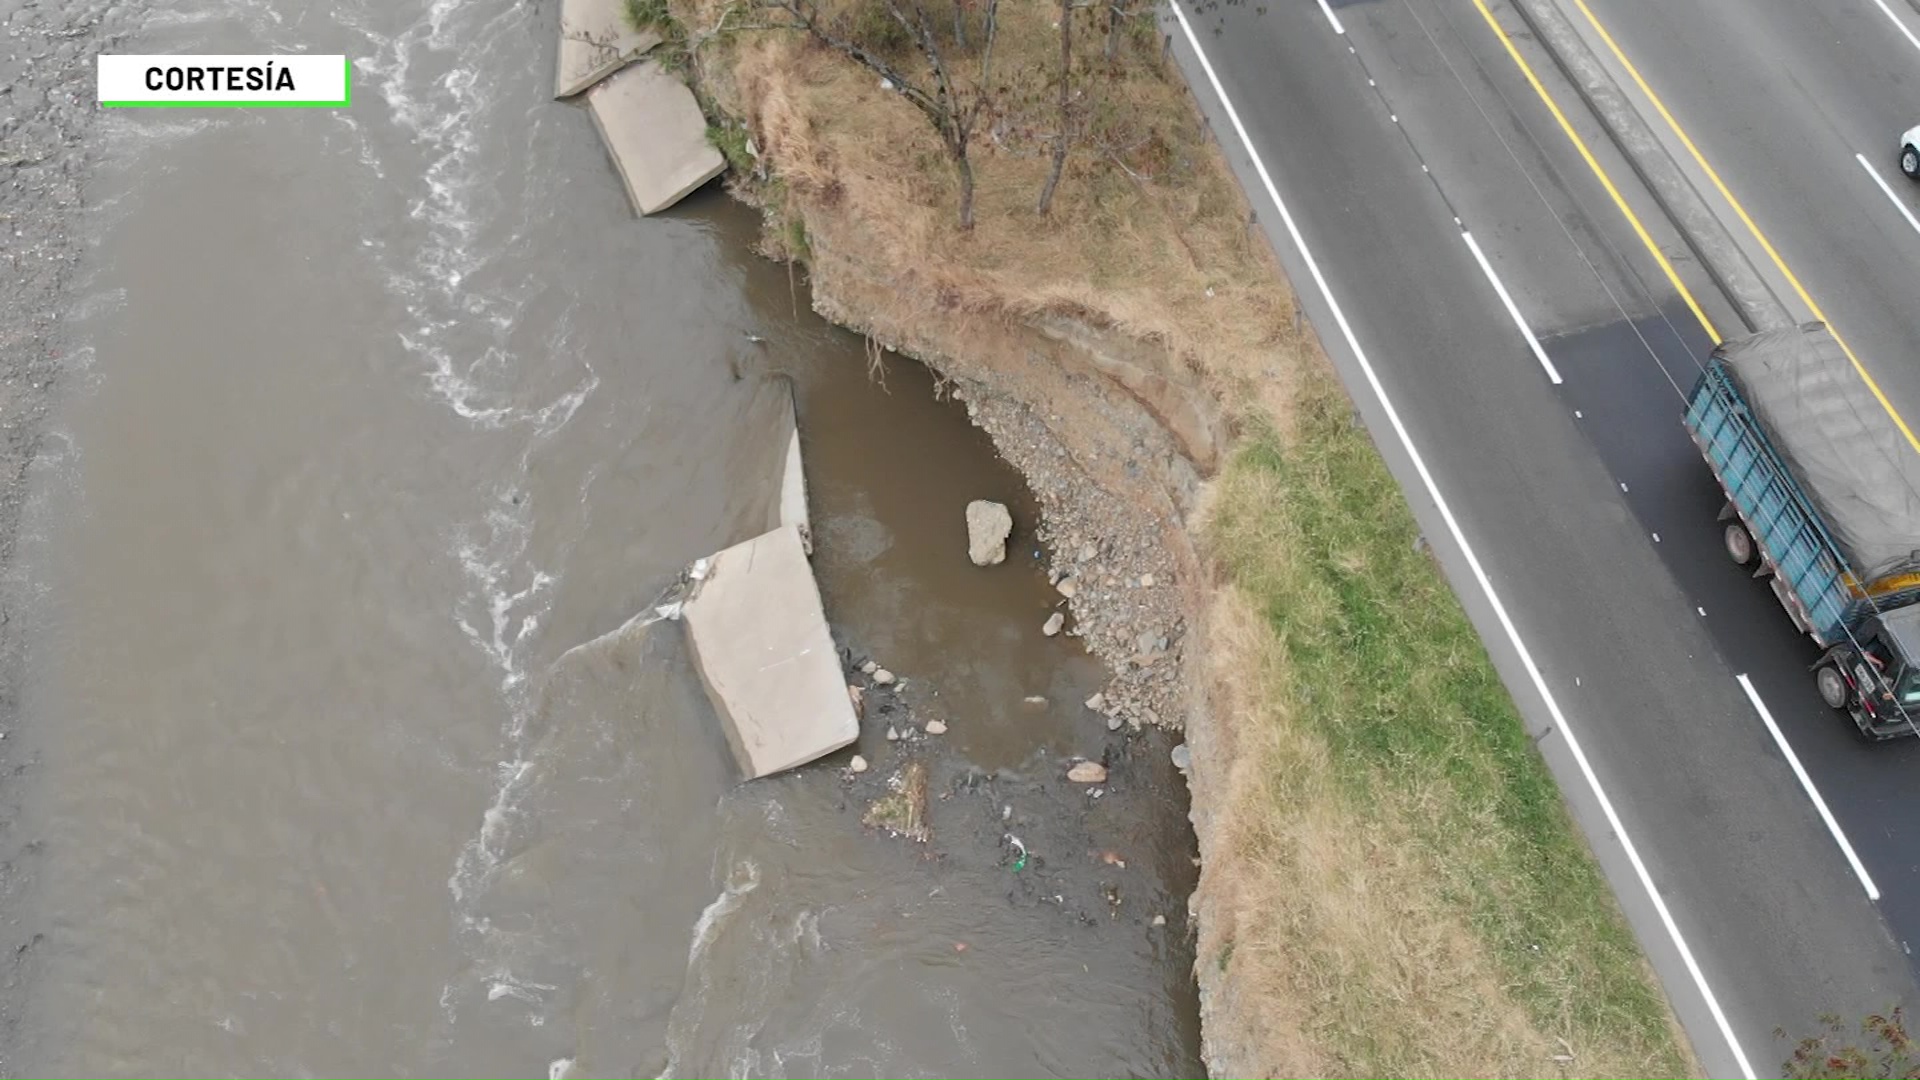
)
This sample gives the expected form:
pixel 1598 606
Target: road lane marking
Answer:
pixel 1888 12
pixel 1332 18
pixel 1640 230
pixel 1533 342
pixel 1473 561
pixel 1767 245
pixel 1888 191
pixel 1820 804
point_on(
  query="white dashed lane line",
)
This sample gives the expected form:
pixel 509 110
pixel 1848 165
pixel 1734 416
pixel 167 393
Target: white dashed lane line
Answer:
pixel 1441 506
pixel 1813 793
pixel 1888 191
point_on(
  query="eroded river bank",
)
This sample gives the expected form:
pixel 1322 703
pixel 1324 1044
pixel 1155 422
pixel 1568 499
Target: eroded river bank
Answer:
pixel 374 430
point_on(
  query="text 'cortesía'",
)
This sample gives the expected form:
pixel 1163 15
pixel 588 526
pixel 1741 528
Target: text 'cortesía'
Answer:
pixel 269 77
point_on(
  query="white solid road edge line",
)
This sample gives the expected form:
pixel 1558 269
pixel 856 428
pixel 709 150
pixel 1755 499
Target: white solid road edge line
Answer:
pixel 1513 309
pixel 1820 804
pixel 1888 12
pixel 1888 191
pixel 1473 562
pixel 1331 17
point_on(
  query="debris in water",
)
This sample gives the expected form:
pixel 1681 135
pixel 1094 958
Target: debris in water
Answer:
pixel 858 764
pixel 903 812
pixel 1087 772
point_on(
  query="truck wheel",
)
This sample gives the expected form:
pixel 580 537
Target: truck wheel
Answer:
pixel 1910 162
pixel 1740 546
pixel 1832 686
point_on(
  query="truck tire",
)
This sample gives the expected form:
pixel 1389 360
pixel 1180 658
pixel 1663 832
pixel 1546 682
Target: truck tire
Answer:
pixel 1910 162
pixel 1832 686
pixel 1739 544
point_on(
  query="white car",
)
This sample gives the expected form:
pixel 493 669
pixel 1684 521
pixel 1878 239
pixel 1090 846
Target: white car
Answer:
pixel 1910 153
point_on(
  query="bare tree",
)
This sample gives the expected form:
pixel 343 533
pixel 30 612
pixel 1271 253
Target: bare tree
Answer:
pixel 1064 137
pixel 953 109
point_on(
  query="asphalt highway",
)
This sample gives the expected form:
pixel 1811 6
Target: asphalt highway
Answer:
pixel 1529 404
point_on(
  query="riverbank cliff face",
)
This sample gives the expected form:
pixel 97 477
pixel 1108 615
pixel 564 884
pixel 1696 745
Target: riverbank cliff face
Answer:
pixel 1074 339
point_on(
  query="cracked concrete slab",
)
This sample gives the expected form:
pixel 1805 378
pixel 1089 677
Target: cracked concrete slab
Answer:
pixel 656 135
pixel 762 648
pixel 596 40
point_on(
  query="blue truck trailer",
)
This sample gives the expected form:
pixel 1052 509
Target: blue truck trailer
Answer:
pixel 1823 501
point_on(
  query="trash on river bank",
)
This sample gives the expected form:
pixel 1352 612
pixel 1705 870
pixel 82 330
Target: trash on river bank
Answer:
pixel 903 810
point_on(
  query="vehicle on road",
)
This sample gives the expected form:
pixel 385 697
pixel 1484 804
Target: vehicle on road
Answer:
pixel 1823 500
pixel 1910 153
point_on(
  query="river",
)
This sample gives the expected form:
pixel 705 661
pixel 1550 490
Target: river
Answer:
pixel 342 753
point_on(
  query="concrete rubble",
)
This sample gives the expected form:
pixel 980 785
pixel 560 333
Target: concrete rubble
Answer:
pixel 596 40
pixel 761 646
pixel 759 637
pixel 656 135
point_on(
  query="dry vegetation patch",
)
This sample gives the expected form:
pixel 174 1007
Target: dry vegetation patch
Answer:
pixel 1408 894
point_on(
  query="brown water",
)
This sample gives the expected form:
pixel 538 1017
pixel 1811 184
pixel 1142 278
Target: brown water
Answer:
pixel 350 756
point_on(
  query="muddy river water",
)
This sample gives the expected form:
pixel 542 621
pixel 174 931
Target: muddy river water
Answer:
pixel 344 756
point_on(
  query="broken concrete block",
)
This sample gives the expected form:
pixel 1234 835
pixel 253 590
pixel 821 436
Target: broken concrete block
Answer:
pixel 656 134
pixel 761 646
pixel 793 492
pixel 596 40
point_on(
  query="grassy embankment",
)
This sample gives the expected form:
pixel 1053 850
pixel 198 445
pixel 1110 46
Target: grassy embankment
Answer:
pixel 1396 887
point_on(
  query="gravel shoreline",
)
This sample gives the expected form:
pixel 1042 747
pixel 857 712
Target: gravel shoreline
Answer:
pixel 46 113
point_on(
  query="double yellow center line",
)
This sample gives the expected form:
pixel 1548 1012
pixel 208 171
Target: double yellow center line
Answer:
pixel 1641 231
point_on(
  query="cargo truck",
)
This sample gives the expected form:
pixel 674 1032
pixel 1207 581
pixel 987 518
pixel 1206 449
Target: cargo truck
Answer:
pixel 1823 501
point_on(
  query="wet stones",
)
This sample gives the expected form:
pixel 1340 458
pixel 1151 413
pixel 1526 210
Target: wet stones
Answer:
pixel 988 526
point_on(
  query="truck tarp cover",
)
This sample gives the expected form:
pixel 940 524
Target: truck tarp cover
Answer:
pixel 1847 452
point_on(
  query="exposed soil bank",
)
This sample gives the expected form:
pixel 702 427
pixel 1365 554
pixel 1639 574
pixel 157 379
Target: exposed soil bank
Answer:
pixel 1219 525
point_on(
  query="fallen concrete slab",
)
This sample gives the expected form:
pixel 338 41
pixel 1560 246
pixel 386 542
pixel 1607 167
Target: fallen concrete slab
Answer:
pixel 793 492
pixel 761 646
pixel 656 135
pixel 596 40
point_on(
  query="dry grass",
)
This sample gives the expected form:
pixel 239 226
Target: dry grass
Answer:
pixel 1148 234
pixel 1394 885
pixel 1405 891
